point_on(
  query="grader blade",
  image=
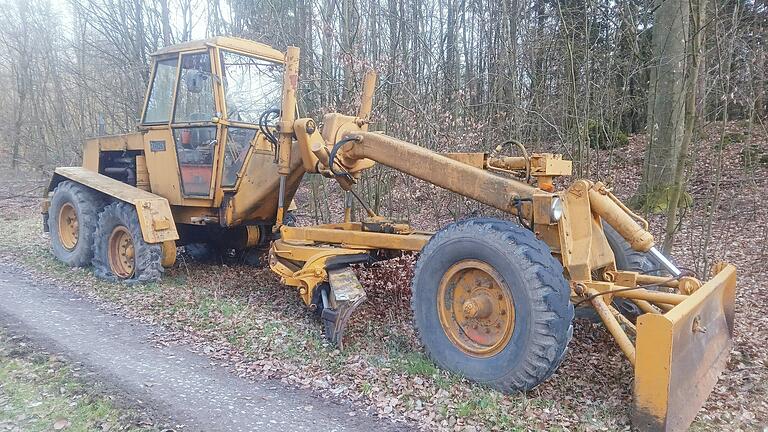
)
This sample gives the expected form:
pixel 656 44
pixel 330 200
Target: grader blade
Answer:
pixel 681 353
pixel 346 296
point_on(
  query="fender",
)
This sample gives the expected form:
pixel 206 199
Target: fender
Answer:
pixel 154 211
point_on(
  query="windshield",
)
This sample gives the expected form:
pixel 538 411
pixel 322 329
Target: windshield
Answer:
pixel 251 86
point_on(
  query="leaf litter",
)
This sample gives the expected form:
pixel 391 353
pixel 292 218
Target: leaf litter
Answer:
pixel 242 318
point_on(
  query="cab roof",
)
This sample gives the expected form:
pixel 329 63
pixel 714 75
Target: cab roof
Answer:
pixel 239 44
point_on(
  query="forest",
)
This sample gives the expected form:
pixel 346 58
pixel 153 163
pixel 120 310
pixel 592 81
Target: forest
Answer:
pixel 660 102
pixel 581 78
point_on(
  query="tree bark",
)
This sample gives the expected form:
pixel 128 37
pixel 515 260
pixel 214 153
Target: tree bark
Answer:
pixel 666 103
pixel 677 192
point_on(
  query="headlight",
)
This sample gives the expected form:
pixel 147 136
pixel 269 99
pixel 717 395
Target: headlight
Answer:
pixel 556 210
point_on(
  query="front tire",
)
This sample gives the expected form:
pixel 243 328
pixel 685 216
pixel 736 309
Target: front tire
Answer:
pixel 73 216
pixel 490 302
pixel 120 251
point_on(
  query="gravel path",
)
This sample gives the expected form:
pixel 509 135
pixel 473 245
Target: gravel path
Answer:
pixel 171 381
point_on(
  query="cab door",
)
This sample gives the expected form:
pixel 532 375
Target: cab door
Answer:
pixel 181 140
pixel 195 136
pixel 251 95
pixel 159 149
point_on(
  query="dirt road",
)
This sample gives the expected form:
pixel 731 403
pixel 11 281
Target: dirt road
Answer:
pixel 171 381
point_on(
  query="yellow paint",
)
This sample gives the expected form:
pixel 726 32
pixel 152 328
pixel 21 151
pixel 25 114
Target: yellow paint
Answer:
pixel 351 235
pixel 284 254
pixel 154 212
pixel 232 43
pixel 169 253
pixel 681 353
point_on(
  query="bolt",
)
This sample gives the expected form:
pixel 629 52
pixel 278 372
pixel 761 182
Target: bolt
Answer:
pixel 500 297
pixel 470 309
pixel 503 312
pixel 697 327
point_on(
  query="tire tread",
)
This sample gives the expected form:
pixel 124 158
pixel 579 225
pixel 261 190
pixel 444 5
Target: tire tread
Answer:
pixel 88 204
pixel 149 266
pixel 549 292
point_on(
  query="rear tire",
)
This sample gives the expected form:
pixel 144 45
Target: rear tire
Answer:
pixel 72 221
pixel 120 251
pixel 490 262
pixel 203 252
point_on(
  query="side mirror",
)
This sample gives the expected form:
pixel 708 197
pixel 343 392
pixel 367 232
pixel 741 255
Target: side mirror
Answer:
pixel 194 80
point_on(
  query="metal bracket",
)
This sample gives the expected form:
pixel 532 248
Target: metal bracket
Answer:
pixel 346 296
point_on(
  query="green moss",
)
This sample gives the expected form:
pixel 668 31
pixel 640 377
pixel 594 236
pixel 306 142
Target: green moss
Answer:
pixel 601 136
pixel 658 201
pixel 416 363
pixel 735 137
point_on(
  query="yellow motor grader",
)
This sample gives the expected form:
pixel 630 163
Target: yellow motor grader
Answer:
pixel 220 152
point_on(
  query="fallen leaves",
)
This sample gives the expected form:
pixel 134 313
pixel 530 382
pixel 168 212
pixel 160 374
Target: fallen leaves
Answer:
pixel 243 319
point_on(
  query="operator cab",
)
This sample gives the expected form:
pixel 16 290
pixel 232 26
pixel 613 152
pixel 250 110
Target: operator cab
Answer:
pixel 208 98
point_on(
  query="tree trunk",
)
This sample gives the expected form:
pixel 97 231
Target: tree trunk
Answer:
pixel 677 192
pixel 166 22
pixel 666 103
pixel 759 78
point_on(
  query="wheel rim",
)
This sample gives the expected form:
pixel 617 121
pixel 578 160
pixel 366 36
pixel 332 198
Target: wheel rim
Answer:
pixel 68 226
pixel 121 253
pixel 476 311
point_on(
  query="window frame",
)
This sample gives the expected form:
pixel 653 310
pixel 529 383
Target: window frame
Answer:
pixel 246 156
pixel 222 65
pixel 217 165
pixel 151 87
pixel 214 162
pixel 227 123
pixel 214 79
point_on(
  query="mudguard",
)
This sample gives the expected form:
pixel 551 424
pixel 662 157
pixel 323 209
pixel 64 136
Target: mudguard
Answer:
pixel 154 211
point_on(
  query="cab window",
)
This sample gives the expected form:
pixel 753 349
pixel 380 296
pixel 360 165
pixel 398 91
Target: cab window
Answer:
pixel 194 94
pixel 238 142
pixel 195 148
pixel 158 108
pixel 195 143
pixel 251 86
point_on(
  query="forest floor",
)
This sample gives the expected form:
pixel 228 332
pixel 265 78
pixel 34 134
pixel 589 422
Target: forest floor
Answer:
pixel 242 317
